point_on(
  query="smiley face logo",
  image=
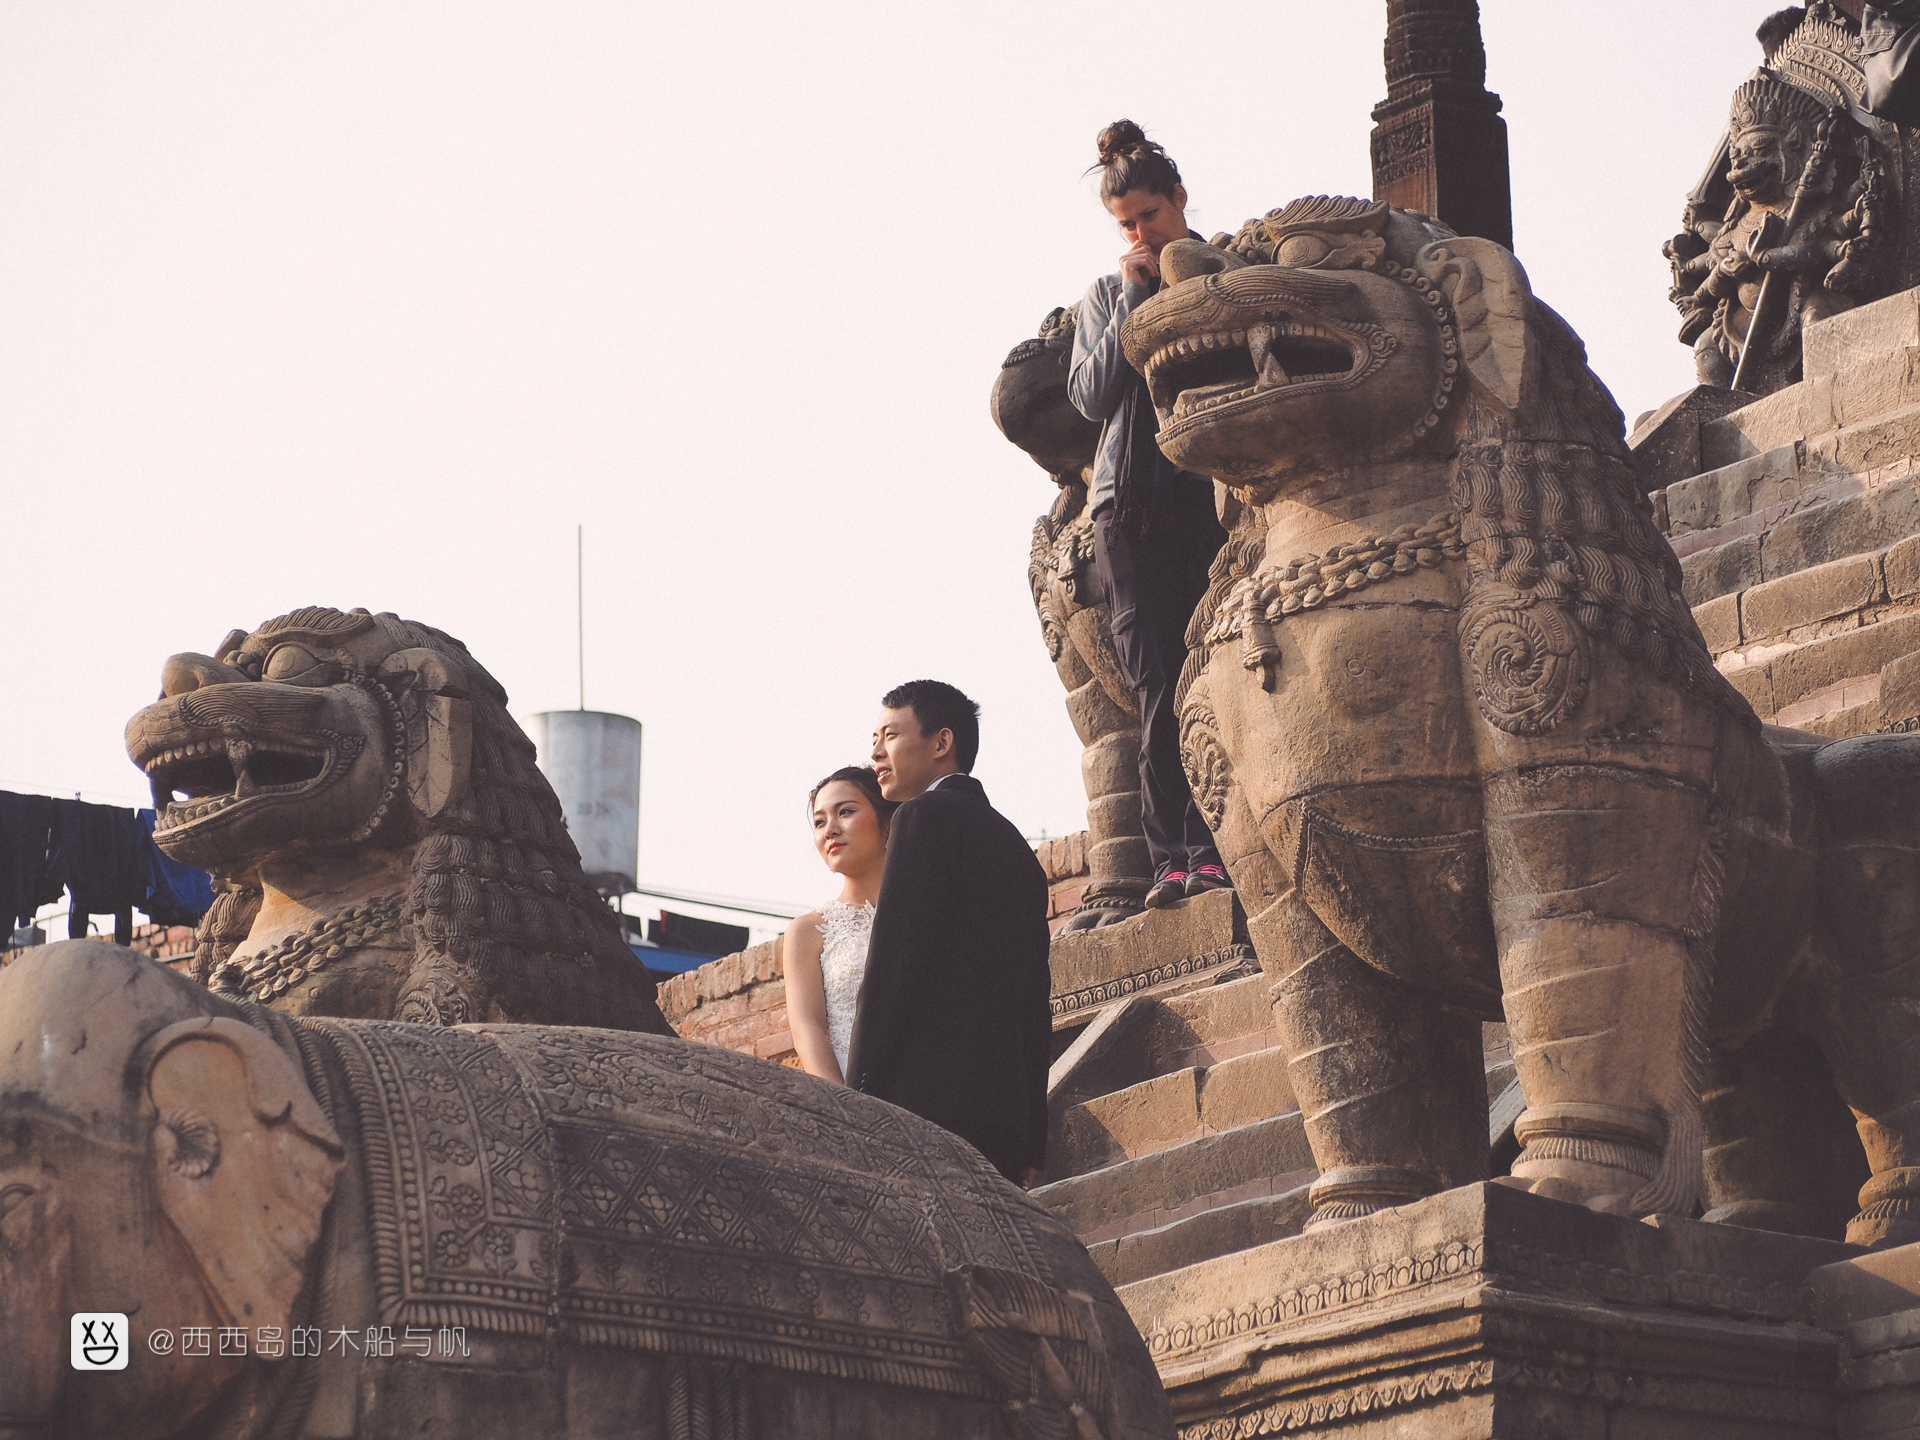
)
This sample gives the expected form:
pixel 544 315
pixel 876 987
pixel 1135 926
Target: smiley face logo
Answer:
pixel 98 1340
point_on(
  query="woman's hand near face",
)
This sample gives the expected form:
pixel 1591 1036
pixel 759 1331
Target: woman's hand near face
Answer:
pixel 1140 266
pixel 806 991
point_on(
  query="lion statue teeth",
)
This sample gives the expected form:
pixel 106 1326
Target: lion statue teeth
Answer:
pixel 382 842
pixel 1469 759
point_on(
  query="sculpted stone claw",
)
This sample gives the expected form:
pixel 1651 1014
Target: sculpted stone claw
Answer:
pixel 1448 707
pixel 1096 914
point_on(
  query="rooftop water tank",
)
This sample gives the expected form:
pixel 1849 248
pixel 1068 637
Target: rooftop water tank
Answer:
pixel 592 760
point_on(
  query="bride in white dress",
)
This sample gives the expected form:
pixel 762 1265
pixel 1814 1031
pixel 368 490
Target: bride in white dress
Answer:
pixel 825 952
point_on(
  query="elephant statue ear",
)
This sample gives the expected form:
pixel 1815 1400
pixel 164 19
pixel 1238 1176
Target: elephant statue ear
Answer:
pixel 1488 291
pixel 432 693
pixel 244 1163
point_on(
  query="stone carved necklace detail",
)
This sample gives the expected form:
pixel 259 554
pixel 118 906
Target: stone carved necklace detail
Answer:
pixel 285 963
pixel 1310 581
pixel 397 725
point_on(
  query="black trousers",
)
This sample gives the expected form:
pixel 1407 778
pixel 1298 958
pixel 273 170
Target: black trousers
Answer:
pixel 1153 582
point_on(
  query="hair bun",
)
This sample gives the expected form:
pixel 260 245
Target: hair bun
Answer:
pixel 1128 160
pixel 1120 137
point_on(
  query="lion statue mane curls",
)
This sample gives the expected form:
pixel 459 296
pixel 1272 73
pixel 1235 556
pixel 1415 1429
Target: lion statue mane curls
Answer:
pixel 382 842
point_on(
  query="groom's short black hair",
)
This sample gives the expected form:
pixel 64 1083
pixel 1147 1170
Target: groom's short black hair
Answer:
pixel 939 706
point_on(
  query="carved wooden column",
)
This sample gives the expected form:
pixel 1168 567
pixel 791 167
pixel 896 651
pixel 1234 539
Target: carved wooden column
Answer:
pixel 1439 144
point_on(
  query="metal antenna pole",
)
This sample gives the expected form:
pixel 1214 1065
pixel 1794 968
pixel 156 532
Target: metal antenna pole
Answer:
pixel 580 601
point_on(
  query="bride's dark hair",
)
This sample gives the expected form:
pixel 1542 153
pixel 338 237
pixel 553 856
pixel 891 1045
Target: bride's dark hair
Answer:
pixel 868 783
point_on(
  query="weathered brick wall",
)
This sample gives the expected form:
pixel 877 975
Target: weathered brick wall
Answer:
pixel 171 943
pixel 740 1001
pixel 1065 861
pixel 1799 540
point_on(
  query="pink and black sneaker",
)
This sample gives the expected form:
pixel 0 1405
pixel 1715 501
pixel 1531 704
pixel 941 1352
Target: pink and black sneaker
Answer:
pixel 1167 890
pixel 1207 877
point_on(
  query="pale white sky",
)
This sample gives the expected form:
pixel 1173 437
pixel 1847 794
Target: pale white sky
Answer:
pixel 370 304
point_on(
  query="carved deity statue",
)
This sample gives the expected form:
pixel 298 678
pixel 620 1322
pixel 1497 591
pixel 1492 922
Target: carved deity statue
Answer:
pixel 382 843
pixel 1791 223
pixel 1468 758
pixel 1031 407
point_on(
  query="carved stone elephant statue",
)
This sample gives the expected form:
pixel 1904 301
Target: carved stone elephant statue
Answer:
pixel 341 1228
pixel 1469 759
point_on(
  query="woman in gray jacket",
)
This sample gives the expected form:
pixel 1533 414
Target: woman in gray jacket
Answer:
pixel 1155 531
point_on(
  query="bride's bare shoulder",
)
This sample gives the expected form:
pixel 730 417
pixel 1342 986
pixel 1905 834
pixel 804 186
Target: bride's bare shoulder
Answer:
pixel 805 937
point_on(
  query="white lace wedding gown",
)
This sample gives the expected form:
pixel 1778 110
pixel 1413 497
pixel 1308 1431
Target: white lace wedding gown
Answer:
pixel 843 961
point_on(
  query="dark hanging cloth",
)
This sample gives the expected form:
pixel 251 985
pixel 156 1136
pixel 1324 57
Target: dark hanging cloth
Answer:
pixel 1890 54
pixel 27 880
pixel 101 855
pixel 176 894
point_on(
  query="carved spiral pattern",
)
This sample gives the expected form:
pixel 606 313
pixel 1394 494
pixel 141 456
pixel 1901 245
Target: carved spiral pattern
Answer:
pixel 1528 661
pixel 1204 758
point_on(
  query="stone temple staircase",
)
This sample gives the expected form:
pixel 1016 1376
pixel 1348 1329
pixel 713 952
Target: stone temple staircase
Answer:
pixel 1173 1133
pixel 1797 522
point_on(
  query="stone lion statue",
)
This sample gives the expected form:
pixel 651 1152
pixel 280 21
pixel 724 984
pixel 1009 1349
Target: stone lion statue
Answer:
pixel 1031 408
pixel 1469 760
pixel 382 843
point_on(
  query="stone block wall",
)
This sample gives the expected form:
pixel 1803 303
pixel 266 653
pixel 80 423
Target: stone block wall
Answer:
pixel 1799 540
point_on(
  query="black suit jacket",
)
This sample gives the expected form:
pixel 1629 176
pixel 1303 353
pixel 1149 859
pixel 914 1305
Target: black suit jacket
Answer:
pixel 953 1022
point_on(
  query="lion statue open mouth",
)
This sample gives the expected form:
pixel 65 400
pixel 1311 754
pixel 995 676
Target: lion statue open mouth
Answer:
pixel 383 843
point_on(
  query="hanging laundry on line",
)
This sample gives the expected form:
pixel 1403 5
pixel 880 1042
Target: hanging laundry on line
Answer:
pixel 102 856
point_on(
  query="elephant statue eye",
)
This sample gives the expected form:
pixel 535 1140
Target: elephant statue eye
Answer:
pixel 12 1196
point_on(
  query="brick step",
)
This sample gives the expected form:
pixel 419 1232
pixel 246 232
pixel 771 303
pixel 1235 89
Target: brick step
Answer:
pixel 1220 1229
pixel 1777 677
pixel 1168 1185
pixel 1829 517
pixel 1228 1221
pixel 1841 348
pixel 1706 504
pixel 1142 1038
pixel 1170 1109
pixel 1860 367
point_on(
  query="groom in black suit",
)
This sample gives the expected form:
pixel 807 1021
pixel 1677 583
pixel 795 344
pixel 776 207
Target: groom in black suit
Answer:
pixel 953 1022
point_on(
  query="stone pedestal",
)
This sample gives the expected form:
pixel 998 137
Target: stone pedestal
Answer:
pixel 1873 1303
pixel 1485 1312
pixel 1196 942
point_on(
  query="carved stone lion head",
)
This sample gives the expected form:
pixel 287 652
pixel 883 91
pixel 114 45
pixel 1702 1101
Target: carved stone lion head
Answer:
pixel 325 735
